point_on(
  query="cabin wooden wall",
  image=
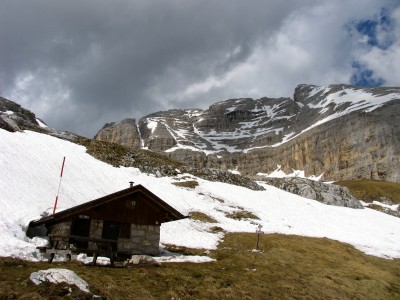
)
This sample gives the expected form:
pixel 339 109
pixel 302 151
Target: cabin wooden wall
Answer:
pixel 134 209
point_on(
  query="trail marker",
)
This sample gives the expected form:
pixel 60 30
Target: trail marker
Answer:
pixel 258 231
pixel 59 186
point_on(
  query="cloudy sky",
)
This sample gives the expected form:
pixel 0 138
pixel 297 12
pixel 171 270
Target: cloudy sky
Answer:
pixel 79 64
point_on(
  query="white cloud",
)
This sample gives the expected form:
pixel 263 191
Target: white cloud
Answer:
pixel 44 85
pixel 384 62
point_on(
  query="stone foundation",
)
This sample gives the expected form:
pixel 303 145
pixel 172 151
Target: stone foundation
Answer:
pixel 144 239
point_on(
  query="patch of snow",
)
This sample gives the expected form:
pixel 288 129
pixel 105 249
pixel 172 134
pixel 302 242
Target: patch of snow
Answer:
pixel 279 173
pixel 231 109
pixel 236 171
pixel 102 261
pixel 394 207
pixel 315 91
pixel 9 112
pixel 41 124
pixel 184 258
pixel 151 124
pixel 193 113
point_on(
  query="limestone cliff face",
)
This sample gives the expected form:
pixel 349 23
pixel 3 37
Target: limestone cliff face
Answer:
pixel 342 131
pixel 359 145
pixel 124 133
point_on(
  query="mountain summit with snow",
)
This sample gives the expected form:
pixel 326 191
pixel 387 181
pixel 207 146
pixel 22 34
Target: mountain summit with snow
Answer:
pixel 339 131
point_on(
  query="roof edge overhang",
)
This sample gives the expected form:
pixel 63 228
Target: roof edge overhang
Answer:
pixel 176 215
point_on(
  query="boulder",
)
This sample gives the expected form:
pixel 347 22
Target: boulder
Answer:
pixel 139 260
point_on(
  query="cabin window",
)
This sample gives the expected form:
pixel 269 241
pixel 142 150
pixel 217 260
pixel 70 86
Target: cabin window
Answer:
pixel 124 230
pixel 110 230
pixel 115 230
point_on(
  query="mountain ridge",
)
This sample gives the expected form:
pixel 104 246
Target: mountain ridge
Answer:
pixel 250 135
pixel 340 131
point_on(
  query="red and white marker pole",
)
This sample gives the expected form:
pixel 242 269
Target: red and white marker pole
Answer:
pixel 59 186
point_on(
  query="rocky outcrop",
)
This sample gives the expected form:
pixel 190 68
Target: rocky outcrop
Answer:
pixel 124 133
pixel 326 193
pixel 13 117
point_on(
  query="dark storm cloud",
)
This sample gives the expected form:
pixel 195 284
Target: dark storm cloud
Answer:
pixel 104 56
pixel 79 64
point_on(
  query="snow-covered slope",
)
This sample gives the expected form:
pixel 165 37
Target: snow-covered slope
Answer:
pixel 29 175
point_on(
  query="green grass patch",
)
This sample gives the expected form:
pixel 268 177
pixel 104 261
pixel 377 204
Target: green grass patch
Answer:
pixel 376 207
pixel 110 153
pixel 370 190
pixel 241 215
pixel 216 229
pixel 187 184
pixel 287 267
pixel 183 250
pixel 199 216
pixel 118 155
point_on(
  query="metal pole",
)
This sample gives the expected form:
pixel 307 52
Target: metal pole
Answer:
pixel 59 186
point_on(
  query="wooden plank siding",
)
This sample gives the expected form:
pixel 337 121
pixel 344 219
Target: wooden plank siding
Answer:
pixel 122 210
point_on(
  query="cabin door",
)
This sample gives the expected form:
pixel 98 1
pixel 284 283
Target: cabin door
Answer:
pixel 80 227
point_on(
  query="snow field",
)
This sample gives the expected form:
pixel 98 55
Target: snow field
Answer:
pixel 29 176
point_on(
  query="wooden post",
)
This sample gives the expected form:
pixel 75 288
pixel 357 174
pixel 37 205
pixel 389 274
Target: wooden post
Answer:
pixel 258 231
pixel 51 258
pixel 112 259
pixel 94 258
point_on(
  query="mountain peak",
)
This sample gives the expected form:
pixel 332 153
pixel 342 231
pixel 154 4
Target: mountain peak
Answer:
pixel 305 132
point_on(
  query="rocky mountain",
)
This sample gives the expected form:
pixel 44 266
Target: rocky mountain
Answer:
pixel 124 133
pixel 342 131
pixel 119 150
pixel 13 117
pixel 123 139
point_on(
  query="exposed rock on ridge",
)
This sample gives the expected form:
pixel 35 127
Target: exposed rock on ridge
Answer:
pixel 13 117
pixel 342 131
pixel 124 133
pixel 326 193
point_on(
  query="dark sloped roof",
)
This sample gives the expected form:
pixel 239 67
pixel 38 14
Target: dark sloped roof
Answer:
pixel 176 215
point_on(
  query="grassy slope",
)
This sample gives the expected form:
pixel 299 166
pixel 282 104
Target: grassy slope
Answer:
pixel 288 267
pixel 370 190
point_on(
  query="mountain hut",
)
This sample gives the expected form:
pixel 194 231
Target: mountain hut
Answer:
pixel 120 224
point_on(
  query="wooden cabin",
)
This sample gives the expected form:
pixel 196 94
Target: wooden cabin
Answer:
pixel 120 224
